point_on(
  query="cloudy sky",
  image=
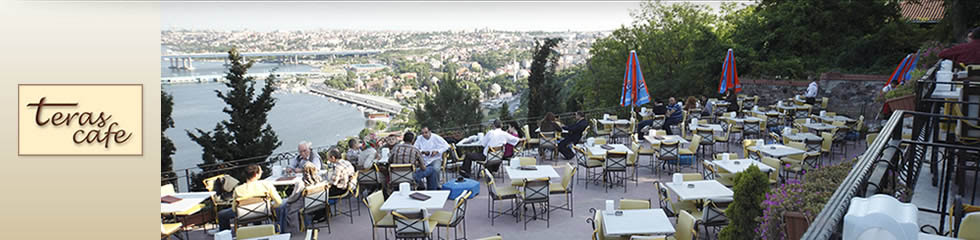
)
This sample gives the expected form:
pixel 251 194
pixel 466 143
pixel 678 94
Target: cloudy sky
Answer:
pixel 394 15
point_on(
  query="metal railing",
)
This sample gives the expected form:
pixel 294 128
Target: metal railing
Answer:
pixel 892 162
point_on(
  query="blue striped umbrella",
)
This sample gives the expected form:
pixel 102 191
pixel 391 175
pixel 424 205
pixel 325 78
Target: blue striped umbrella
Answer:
pixel 634 86
pixel 729 74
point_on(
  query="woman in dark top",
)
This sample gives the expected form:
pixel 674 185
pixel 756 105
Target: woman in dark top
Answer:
pixel 732 100
pixel 548 124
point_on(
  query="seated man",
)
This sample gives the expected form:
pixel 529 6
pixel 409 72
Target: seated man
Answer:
pixel 340 174
pixel 965 53
pixel 254 188
pixel 674 115
pixel 305 155
pixel 432 146
pixel 574 135
pixel 494 138
pixel 354 150
pixel 658 109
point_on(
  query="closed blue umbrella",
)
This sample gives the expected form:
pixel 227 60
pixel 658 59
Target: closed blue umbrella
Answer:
pixel 634 86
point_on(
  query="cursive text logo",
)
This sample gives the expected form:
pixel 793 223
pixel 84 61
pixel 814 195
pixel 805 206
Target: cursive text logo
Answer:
pixel 94 128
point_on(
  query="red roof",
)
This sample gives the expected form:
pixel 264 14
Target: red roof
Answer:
pixel 925 11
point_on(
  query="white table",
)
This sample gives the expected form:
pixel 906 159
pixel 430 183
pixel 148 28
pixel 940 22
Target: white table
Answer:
pixel 676 138
pixel 742 119
pixel 835 118
pixel 611 122
pixel 639 221
pixel 819 126
pixel 517 175
pixel 713 127
pixel 398 201
pixel 739 165
pixel 704 189
pixel 777 150
pixel 284 236
pixel 801 137
pixel 597 149
pixel 770 112
pixel 187 201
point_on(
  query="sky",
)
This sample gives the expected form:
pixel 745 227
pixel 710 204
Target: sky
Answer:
pixel 401 16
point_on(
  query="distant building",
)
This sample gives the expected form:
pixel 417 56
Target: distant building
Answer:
pixel 923 12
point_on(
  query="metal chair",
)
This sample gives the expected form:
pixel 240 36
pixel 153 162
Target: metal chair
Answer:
pixel 583 159
pixel 401 173
pixel 707 138
pixel 692 151
pixel 413 224
pixel 615 163
pixel 494 155
pixel 549 143
pixel 351 193
pixel 379 219
pixel 253 209
pixel 498 193
pixel 752 127
pixel 536 192
pixel 565 187
pixel 315 199
pixel 630 204
pixel 455 218
pixel 669 151
pixel 713 215
pixel 452 162
pixel 726 139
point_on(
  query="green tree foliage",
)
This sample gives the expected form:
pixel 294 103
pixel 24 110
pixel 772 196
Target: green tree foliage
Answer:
pixel 750 189
pixel 503 113
pixel 246 134
pixel 451 105
pixel 543 86
pixel 679 51
pixel 800 38
pixel 167 147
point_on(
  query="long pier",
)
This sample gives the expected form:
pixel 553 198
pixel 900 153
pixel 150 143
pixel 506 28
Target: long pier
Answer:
pixel 390 108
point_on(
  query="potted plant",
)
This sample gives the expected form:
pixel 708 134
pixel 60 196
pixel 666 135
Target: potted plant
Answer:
pixel 789 208
pixel 901 97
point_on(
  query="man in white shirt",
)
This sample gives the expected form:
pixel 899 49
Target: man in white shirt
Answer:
pixel 432 146
pixel 811 92
pixel 496 137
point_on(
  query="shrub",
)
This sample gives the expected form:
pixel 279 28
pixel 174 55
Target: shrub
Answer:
pixel 806 197
pixel 750 188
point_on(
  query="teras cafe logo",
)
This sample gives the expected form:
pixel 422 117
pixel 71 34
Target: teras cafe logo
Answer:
pixel 80 119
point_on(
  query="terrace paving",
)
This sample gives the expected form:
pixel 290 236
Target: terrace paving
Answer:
pixel 563 225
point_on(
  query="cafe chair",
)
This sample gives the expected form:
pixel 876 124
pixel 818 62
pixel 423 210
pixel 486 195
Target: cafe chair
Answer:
pixel 641 149
pixel 351 194
pixel 315 199
pixel 379 219
pixel 565 188
pixel 800 166
pixel 452 162
pixel 217 201
pixel 369 180
pixel 549 144
pixel 615 164
pixel 413 224
pixel 253 209
pixel 713 215
pixel 597 130
pixel 726 128
pixel 642 237
pixel 169 229
pixel 256 231
pixel 669 151
pixel 827 146
pixel 583 159
pixel 455 218
pixel 529 142
pixel 498 193
pixel 672 208
pixel 777 167
pixel 752 127
pixel 691 151
pixel 707 138
pixel 168 190
pixel 401 173
pixel 747 150
pixel 598 229
pixel 494 154
pixel 535 192
pixel 685 226
pixel 711 173
pixel 631 204
pixel 620 133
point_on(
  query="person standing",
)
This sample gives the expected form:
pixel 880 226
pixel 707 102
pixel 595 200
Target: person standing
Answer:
pixel 305 155
pixel 573 136
pixel 811 92
pixel 432 147
pixel 496 137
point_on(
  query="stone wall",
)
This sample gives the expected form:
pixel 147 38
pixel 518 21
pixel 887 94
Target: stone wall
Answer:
pixel 849 94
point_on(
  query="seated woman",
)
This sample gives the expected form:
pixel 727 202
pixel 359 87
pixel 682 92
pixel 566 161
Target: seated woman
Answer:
pixel 548 124
pixel 342 171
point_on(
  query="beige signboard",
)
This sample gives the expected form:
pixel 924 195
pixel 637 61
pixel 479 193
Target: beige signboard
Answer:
pixel 80 119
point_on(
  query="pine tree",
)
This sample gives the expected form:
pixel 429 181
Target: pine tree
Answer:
pixel 450 105
pixel 246 135
pixel 167 147
pixel 542 84
pixel 750 189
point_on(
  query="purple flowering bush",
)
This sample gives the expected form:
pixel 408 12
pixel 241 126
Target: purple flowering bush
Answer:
pixel 806 197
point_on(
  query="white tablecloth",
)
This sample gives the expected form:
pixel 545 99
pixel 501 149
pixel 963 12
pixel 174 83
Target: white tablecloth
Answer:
pixel 398 201
pixel 704 189
pixel 639 221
